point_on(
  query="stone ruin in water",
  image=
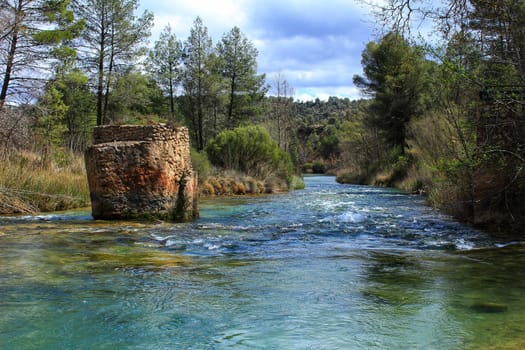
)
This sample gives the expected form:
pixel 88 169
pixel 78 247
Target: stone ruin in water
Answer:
pixel 141 172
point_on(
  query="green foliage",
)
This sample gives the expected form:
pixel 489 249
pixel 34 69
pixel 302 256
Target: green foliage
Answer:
pixel 199 81
pixel 329 143
pixel 238 65
pixel 67 28
pixel 296 183
pixel 79 118
pixel 251 150
pixel 132 96
pixel 201 164
pixel 113 41
pixel 332 132
pixel 396 76
pixel 318 168
pixel 50 126
pixel 221 86
pixel 34 33
pixel 468 148
pixel 164 65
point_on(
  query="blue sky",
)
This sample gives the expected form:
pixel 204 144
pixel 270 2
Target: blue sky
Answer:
pixel 315 45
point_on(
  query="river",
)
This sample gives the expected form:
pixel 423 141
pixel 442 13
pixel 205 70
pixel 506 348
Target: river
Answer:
pixel 329 267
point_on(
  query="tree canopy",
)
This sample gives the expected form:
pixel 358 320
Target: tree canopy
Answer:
pixel 396 76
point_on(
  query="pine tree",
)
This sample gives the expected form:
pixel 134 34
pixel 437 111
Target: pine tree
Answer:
pixel 32 34
pixel 238 59
pixel 396 77
pixel 198 79
pixel 165 65
pixel 112 41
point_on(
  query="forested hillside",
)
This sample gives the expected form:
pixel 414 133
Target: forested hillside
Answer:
pixel 441 116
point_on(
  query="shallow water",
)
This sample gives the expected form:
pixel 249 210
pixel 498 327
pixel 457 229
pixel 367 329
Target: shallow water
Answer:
pixel 329 267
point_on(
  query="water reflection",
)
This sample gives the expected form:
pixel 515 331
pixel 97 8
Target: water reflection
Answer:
pixel 394 279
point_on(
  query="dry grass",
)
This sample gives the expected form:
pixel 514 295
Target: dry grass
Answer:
pixel 230 182
pixel 28 185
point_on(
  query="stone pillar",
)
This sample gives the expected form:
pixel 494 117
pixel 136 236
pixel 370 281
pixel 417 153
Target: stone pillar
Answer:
pixel 141 172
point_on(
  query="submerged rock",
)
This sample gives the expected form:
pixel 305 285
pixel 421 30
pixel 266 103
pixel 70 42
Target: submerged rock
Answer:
pixel 488 308
pixel 141 172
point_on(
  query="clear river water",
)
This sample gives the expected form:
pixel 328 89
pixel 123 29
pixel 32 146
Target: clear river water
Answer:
pixel 329 267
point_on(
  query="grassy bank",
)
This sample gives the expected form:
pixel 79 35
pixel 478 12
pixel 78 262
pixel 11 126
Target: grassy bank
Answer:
pixel 28 184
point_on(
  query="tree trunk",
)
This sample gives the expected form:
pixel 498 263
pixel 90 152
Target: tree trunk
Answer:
pixel 11 55
pixel 110 72
pixel 230 105
pixel 100 85
pixel 172 98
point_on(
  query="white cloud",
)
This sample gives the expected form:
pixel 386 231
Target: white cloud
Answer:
pixel 311 93
pixel 218 16
pixel 315 45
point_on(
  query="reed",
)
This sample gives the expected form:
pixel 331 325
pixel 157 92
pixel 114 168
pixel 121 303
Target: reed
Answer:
pixel 28 184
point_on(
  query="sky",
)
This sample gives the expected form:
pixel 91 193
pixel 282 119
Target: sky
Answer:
pixel 315 45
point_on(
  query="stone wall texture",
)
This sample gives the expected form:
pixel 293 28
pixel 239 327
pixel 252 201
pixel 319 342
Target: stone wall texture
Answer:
pixel 141 172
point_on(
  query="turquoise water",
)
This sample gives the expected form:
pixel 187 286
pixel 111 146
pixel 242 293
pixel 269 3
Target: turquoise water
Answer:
pixel 329 267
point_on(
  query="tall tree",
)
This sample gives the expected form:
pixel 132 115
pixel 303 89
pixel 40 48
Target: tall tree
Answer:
pixel 396 77
pixel 30 32
pixel 239 68
pixel 112 41
pixel 197 78
pixel 78 118
pixel 50 126
pixel 165 64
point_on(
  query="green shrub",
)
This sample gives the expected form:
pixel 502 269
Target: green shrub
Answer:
pixel 296 183
pixel 201 164
pixel 308 168
pixel 250 150
pixel 318 168
pixel 349 177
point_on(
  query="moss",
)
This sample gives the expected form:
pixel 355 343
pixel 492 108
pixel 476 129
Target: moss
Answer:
pixel 517 344
pixel 134 257
pixel 488 307
pixel 179 212
pixel 391 296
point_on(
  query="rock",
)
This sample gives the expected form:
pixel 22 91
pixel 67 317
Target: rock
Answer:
pixel 141 172
pixel 488 308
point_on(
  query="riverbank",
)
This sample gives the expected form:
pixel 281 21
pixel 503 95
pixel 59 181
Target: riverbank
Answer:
pixel 470 202
pixel 29 184
pixel 227 183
